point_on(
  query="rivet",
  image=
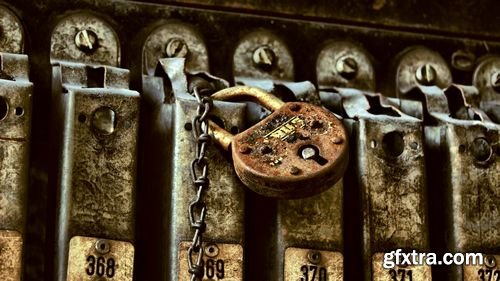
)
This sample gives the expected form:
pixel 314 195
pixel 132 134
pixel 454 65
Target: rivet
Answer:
pixel 102 246
pixel 294 170
pixel 314 257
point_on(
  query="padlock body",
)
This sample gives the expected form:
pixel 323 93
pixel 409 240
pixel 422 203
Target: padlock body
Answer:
pixel 269 157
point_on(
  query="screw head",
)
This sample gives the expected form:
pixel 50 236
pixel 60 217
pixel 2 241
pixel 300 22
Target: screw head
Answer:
pixel 426 75
pixel 176 48
pixel 104 121
pixel 337 140
pixel 86 41
pixel 264 58
pixel 481 149
pixel 102 246
pixel 347 67
pixel 495 81
pixel 294 170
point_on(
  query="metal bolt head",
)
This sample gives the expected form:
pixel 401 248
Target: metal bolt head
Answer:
pixel 176 48
pixel 102 246
pixel 347 67
pixel 294 170
pixel 337 140
pixel 426 75
pixel 481 149
pixel 314 257
pixel 86 41
pixel 104 121
pixel 495 81
pixel 264 58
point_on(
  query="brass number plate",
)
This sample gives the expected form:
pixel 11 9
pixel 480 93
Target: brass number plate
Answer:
pixel 221 262
pixel 306 264
pixel 414 273
pixel 490 270
pixel 100 259
pixel 11 245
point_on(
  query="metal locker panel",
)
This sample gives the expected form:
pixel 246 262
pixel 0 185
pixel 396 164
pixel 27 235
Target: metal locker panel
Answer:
pixel 466 149
pixel 97 175
pixel 15 128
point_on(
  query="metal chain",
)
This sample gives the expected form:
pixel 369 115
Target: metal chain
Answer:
pixel 199 172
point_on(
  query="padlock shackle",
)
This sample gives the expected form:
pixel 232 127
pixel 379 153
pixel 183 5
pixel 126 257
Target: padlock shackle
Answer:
pixel 220 136
pixel 262 97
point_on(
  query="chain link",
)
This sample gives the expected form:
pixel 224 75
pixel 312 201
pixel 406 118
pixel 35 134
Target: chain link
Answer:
pixel 199 173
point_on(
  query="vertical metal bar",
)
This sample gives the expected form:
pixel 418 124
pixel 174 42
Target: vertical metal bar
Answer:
pixel 467 151
pixel 15 127
pixel 390 175
pixel 97 173
pixel 310 237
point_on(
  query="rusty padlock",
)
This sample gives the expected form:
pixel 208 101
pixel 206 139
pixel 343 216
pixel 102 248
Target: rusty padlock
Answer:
pixel 297 151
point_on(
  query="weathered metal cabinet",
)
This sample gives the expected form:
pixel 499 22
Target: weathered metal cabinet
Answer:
pixel 427 179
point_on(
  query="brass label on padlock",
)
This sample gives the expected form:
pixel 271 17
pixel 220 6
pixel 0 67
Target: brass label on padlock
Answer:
pixel 11 245
pixel 220 262
pixel 490 270
pixel 100 259
pixel 307 264
pixel 410 272
pixel 286 129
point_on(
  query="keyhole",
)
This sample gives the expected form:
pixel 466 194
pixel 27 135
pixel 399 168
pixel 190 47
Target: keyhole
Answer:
pixel 311 152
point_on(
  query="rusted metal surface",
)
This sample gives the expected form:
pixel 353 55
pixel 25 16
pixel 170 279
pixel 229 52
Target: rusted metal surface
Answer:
pixel 221 261
pixel 101 44
pixel 466 148
pixel 11 31
pixel 224 199
pixel 463 17
pixel 96 259
pixel 490 269
pixel 307 264
pixel 389 171
pixel 188 43
pixel 261 54
pixel 344 64
pixel 98 160
pixel 11 252
pixel 274 166
pixel 311 223
pixel 15 129
pixel 406 272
